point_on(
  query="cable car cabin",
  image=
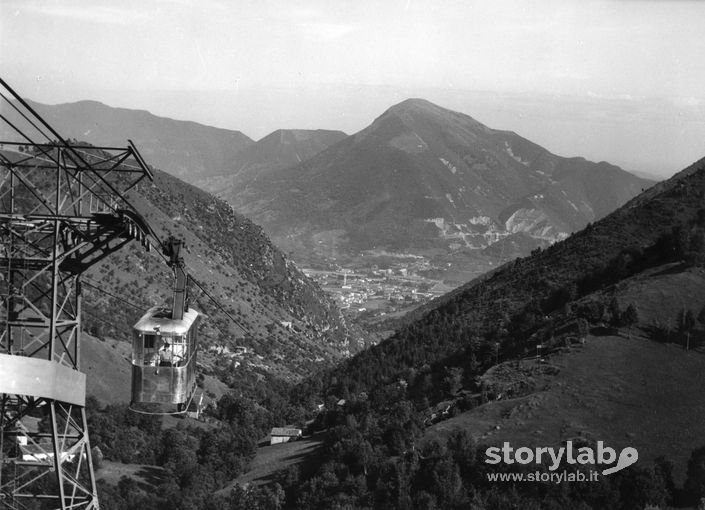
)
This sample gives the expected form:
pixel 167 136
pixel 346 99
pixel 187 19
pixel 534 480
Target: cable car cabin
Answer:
pixel 164 358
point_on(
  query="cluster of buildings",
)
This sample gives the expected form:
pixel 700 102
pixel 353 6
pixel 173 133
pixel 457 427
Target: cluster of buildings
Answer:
pixel 376 288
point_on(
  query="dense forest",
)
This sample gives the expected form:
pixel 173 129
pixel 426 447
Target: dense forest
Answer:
pixel 371 459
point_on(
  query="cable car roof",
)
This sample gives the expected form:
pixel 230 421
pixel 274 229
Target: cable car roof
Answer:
pixel 159 318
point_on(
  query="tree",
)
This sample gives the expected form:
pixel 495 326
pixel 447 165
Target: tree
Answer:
pixel 701 316
pixel 463 448
pixel 453 380
pixel 615 312
pixel 686 323
pixel 630 317
pixel 583 328
pixel 695 255
pixel 694 486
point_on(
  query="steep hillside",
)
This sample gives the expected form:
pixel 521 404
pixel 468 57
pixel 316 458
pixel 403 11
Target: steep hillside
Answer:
pixel 421 177
pixel 286 322
pixel 189 150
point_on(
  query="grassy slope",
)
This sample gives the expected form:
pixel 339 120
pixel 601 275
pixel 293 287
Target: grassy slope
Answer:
pixel 626 392
pixel 147 476
pixel 271 459
pixel 106 364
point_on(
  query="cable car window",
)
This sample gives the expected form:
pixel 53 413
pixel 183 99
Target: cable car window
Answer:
pixel 180 349
pixel 150 353
pixel 150 341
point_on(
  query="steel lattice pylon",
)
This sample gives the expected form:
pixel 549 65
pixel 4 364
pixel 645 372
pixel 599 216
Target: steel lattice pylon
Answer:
pixel 63 207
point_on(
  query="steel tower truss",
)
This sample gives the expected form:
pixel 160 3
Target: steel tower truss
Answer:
pixel 63 207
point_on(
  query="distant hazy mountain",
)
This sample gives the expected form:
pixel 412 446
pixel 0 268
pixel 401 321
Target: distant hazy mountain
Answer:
pixel 421 176
pixel 189 150
pixel 286 147
pixel 281 149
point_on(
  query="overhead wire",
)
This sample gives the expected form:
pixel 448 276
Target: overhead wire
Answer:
pixel 84 281
pixel 218 305
pixel 78 152
pixel 72 153
pixel 14 106
pixel 18 130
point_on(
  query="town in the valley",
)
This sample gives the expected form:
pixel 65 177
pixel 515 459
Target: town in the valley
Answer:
pixel 381 289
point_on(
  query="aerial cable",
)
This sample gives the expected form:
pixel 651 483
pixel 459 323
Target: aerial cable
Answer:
pixel 84 281
pixel 72 153
pixel 197 284
pixel 7 121
pixel 95 286
pixel 14 106
pixel 218 305
pixel 31 110
pixel 48 138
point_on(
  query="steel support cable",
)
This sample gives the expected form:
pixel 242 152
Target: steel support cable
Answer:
pixel 87 282
pixel 14 106
pixel 218 305
pixel 77 153
pixel 7 121
pixel 71 151
pixel 31 110
pixel 195 282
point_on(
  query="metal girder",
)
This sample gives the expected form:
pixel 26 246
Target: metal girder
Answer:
pixel 36 433
pixel 63 208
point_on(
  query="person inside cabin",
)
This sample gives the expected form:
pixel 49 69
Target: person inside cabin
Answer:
pixel 166 357
pixel 154 359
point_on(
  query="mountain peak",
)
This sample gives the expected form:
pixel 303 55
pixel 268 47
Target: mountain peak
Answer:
pixel 416 112
pixel 421 175
pixel 415 103
pixel 418 106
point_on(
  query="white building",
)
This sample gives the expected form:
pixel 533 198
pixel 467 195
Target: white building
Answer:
pixel 284 435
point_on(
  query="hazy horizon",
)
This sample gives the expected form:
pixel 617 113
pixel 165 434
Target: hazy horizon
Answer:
pixel 613 80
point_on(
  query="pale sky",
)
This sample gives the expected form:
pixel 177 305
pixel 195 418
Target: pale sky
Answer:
pixel 615 80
